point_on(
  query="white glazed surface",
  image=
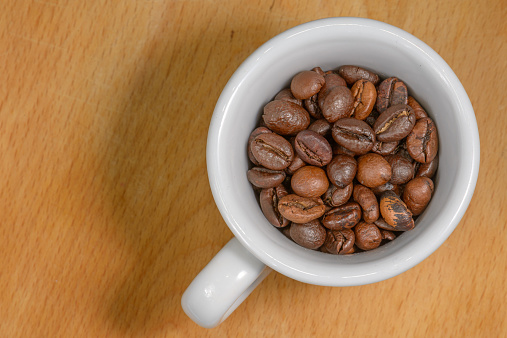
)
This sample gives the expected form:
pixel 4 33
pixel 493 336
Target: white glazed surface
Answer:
pixel 329 43
pixel 223 285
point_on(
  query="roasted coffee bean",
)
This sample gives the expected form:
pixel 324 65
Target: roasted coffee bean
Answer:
pixel 342 217
pixel 285 118
pixel 337 104
pixel 391 92
pixel 385 148
pixel 385 187
pixel 339 150
pixel 265 178
pixel 372 118
pixel 332 80
pixel 382 224
pixel 309 235
pixel 312 107
pixel 402 169
pixel 309 181
pixel 297 163
pixel 368 202
pixel 402 150
pixel 354 134
pixel 422 142
pixel 286 231
pixel 427 169
pixel 368 236
pixel 254 134
pixel 323 249
pixel 365 96
pixel 335 196
pixel 394 123
pixel 269 205
pixel 351 74
pixel 313 148
pixel 341 170
pixel 321 127
pixel 339 242
pixel 300 209
pixel 369 153
pixel 373 170
pixel 387 235
pixel 394 211
pixel 418 110
pixel 286 95
pixel 272 151
pixel 318 70
pixel 305 84
pixel 417 194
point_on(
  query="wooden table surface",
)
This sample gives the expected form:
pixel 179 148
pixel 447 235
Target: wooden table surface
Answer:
pixel 106 214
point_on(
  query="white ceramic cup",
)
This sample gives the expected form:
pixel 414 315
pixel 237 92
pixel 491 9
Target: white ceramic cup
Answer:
pixel 257 246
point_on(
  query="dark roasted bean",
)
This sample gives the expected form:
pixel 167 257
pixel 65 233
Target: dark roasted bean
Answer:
pixel 300 209
pixel 394 211
pixel 402 169
pixel 418 110
pixel 368 236
pixel 354 134
pixel 368 202
pixel 286 95
pixel 385 187
pixel 392 91
pixel 272 151
pixel 342 170
pixel 365 96
pixel 309 181
pixel 387 235
pixel 296 163
pixel 312 107
pixel 331 80
pixel 254 134
pixel 372 117
pixel 335 196
pixel 339 150
pixel 265 178
pixel 382 224
pixel 342 217
pixel 313 148
pixel 286 231
pixel 309 235
pixel 339 242
pixel 417 194
pixel 373 170
pixel 321 127
pixel 394 123
pixel 318 70
pixel 337 104
pixel 351 74
pixel 340 165
pixel 422 142
pixel 305 84
pixel 285 118
pixel 427 169
pixel 269 205
pixel 385 148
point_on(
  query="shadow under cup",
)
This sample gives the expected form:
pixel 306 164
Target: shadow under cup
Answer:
pixel 329 44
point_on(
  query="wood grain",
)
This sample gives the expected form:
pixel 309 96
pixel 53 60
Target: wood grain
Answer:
pixel 105 209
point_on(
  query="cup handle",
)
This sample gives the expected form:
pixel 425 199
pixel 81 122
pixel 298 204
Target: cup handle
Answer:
pixel 223 285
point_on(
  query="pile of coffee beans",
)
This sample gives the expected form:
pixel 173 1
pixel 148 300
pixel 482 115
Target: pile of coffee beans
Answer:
pixel 343 160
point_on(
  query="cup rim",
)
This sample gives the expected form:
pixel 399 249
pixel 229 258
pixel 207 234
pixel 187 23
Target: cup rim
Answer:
pixel 213 166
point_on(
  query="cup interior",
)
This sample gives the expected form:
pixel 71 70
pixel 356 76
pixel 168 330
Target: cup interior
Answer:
pixel 329 43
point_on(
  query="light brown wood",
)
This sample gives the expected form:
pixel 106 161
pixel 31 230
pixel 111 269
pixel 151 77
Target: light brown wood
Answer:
pixel 106 214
